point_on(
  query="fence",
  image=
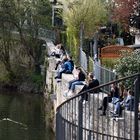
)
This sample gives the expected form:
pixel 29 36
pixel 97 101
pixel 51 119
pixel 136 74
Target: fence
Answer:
pixel 79 120
pixel 83 59
pixel 104 75
pixel 47 34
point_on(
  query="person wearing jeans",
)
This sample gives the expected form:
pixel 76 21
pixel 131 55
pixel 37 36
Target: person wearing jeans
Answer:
pixel 78 81
pixel 108 99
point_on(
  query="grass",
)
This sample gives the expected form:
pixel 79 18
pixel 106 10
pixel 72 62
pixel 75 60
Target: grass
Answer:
pixel 109 62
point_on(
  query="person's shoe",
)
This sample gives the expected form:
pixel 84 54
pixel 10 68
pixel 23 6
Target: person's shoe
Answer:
pixel 114 114
pixel 65 94
pixel 100 108
pixel 58 80
pixel 70 93
pixel 55 77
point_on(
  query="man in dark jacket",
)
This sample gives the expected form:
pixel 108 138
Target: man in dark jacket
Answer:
pixel 114 92
pixel 91 83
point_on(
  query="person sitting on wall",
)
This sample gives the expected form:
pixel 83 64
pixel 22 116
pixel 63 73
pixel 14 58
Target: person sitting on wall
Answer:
pixel 127 103
pixel 114 92
pixel 59 51
pixel 77 81
pixel 90 83
pixel 60 63
pixel 66 67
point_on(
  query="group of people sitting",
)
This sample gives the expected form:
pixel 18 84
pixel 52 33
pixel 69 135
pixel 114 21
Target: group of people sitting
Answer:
pixel 58 51
pixel 88 83
pixel 121 99
pixel 65 63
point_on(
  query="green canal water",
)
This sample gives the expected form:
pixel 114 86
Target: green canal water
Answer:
pixel 22 117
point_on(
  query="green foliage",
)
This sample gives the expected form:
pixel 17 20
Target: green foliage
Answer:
pixel 25 17
pixel 44 10
pixel 128 64
pixel 109 62
pixel 91 64
pixel 37 80
pixel 72 43
pixel 89 13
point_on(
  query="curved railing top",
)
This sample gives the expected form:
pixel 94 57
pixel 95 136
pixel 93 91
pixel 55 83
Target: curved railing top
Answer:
pixel 98 87
pixel 79 120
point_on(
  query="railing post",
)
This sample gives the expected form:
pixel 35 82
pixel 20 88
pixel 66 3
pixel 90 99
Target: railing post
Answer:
pixel 80 120
pixel 136 123
pixel 89 136
pixel 59 131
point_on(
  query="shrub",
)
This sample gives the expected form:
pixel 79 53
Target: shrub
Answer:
pixel 37 79
pixel 128 64
pixel 109 62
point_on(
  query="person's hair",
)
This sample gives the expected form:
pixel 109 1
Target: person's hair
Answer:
pixel 70 57
pixel 79 69
pixel 62 47
pixel 131 92
pixel 91 75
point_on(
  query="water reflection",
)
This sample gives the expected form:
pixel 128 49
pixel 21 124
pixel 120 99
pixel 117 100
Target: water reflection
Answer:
pixel 22 117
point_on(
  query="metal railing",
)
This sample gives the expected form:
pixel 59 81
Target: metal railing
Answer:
pixel 80 120
pixel 47 34
pixel 104 75
pixel 83 59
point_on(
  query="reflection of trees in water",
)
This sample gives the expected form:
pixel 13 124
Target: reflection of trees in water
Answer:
pixel 22 117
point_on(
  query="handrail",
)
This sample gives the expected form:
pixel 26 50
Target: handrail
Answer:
pixel 109 83
pixel 82 120
pixel 103 67
pixel 95 131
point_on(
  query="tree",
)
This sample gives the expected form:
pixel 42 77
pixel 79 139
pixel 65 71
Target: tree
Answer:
pixel 89 13
pixel 123 10
pixel 128 64
pixel 5 44
pixel 26 17
pixel 20 21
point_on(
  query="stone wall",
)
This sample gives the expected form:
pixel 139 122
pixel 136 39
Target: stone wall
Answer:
pixel 120 127
pixel 57 89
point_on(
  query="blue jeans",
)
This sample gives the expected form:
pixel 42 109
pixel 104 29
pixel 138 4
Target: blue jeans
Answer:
pixel 72 81
pixel 117 108
pixel 59 74
pixel 73 84
pixel 117 105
